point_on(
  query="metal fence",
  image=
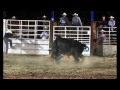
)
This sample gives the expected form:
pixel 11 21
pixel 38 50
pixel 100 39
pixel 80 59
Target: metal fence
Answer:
pixel 28 33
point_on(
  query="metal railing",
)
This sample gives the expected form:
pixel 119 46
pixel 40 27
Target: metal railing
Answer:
pixel 28 39
pixel 80 33
pixel 27 29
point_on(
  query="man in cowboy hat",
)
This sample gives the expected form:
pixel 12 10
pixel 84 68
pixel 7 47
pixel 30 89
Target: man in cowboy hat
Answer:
pixel 14 17
pixel 102 36
pixel 76 21
pixel 111 22
pixel 44 17
pixel 7 36
pixel 64 20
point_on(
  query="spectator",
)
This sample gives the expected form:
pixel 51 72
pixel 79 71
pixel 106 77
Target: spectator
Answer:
pixel 13 17
pixel 7 36
pixel 103 22
pixel 44 17
pixel 102 36
pixel 76 21
pixel 111 22
pixel 44 34
pixel 64 20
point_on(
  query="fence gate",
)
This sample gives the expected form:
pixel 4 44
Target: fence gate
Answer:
pixel 79 33
pixel 27 39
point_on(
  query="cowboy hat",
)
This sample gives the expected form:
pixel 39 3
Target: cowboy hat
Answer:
pixel 44 16
pixel 64 14
pixel 102 30
pixel 9 31
pixel 111 17
pixel 13 17
pixel 75 14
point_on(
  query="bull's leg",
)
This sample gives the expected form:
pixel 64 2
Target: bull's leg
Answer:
pixel 76 57
pixel 58 57
pixel 81 56
pixel 53 56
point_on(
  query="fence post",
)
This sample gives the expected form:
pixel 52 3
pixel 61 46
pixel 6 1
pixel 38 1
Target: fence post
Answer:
pixel 51 33
pixel 93 37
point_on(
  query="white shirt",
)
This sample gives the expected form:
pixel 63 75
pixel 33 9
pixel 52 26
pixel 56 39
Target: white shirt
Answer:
pixel 44 35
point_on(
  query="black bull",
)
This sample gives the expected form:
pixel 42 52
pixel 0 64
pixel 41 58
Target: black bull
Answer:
pixel 68 47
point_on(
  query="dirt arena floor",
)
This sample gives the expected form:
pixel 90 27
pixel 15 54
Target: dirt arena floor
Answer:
pixel 42 67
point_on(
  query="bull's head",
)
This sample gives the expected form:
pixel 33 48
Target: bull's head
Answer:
pixel 86 48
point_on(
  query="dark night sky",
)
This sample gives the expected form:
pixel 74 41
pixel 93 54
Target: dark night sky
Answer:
pixel 35 14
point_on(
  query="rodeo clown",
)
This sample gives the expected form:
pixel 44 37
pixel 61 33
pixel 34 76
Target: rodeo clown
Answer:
pixel 76 21
pixel 6 38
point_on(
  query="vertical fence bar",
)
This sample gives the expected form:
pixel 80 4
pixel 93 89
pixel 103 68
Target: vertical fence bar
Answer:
pixel 65 31
pixel 77 32
pixel 109 35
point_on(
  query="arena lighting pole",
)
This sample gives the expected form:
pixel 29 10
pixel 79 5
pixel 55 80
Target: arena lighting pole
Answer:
pixel 51 28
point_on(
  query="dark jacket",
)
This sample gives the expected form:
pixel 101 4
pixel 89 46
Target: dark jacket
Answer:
pixel 8 35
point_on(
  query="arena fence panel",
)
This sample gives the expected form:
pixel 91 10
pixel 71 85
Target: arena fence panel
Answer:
pixel 27 38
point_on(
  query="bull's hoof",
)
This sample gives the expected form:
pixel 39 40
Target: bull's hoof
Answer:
pixel 77 61
pixel 57 62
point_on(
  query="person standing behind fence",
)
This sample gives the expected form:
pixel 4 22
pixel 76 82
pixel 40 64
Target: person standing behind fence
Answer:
pixel 44 18
pixel 102 36
pixel 64 20
pixel 7 36
pixel 76 21
pixel 103 22
pixel 44 23
pixel 111 22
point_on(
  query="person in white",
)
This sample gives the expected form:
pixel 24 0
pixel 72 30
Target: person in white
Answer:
pixel 44 34
pixel 111 22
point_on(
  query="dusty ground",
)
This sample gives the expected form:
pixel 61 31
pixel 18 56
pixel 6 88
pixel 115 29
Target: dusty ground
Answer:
pixel 41 67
